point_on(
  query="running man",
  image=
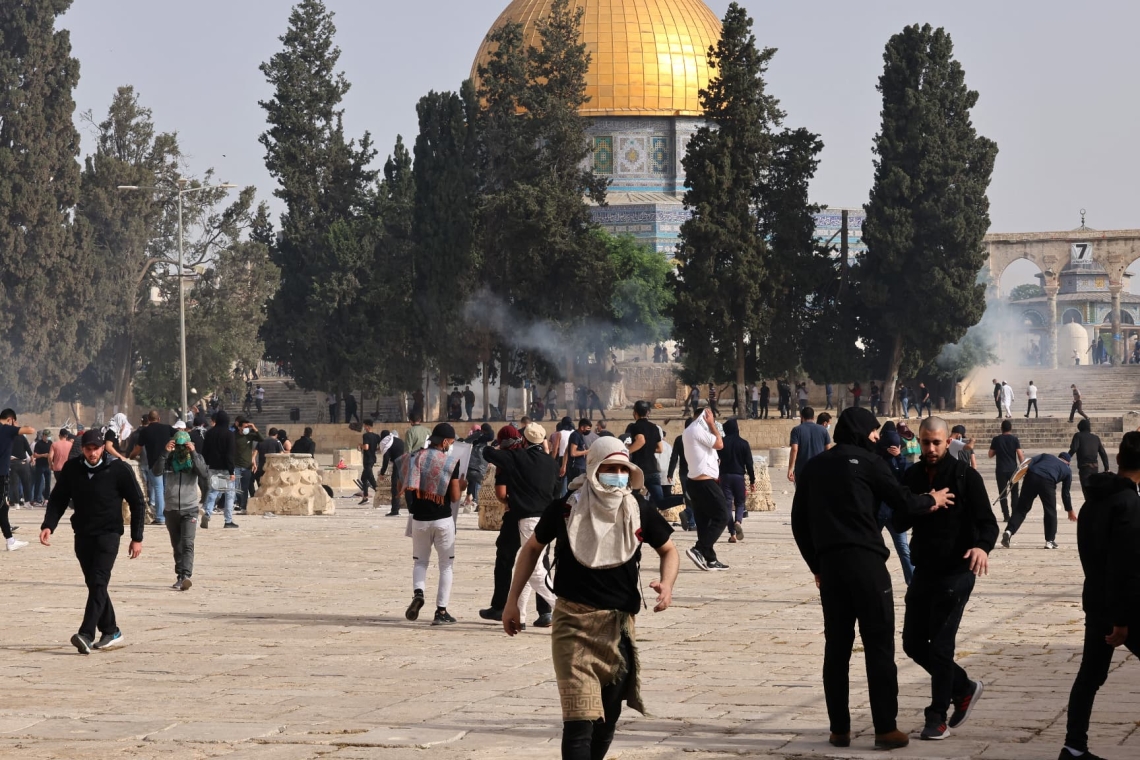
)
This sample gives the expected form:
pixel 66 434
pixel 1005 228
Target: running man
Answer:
pixel 1078 404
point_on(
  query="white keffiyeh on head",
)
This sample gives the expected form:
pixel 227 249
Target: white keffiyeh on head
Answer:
pixel 120 427
pixel 604 521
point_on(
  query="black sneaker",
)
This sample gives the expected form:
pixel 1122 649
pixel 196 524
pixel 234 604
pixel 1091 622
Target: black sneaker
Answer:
pixel 109 641
pixel 414 608
pixel 82 643
pixel 392 514
pixel 1006 537
pixel 697 558
pixel 230 525
pixel 186 584
pixel 964 706
pixel 716 564
pixel 177 585
pixel 739 532
pixel 1067 755
pixel 934 732
pixel 442 617
pixel 491 614
pixel 544 621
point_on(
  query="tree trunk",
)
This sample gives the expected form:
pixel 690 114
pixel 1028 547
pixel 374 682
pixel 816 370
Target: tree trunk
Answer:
pixel 504 383
pixel 486 387
pixel 892 379
pixel 444 409
pixel 124 397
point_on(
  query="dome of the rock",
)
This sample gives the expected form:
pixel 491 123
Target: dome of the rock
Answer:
pixel 648 57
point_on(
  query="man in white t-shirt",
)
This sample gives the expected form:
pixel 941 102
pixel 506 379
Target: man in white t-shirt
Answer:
pixel 702 441
pixel 1031 394
pixel 755 401
pixel 1006 399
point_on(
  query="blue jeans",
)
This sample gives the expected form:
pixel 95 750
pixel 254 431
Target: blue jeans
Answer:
pixel 906 407
pixel 41 483
pixel 157 495
pixel 902 547
pixel 212 496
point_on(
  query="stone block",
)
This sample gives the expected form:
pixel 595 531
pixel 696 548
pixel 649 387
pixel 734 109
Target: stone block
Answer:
pixel 349 456
pixel 779 457
pixel 342 482
pixel 291 485
pixel 1131 421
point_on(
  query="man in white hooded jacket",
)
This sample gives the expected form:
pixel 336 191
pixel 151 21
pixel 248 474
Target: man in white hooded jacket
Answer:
pixel 600 527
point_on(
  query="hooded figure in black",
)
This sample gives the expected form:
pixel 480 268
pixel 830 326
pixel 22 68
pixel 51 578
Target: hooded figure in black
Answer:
pixel 835 526
pixel 218 449
pixel 1108 539
pixel 1087 447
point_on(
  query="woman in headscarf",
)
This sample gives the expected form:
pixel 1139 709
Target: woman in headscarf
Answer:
pixel 181 466
pixel 116 435
pixel 890 448
pixel 600 527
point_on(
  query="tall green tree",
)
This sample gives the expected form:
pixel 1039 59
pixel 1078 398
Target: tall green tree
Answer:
pixel 327 187
pixel 928 211
pixel 641 299
pixel 46 274
pixel 443 230
pixel 726 283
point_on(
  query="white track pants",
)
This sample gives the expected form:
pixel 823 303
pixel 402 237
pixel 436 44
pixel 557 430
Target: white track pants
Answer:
pixel 537 580
pixel 441 535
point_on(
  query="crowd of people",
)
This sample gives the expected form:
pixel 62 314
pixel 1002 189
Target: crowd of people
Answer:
pixel 599 497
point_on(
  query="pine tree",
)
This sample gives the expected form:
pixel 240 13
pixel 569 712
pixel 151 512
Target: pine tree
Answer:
pixel 726 282
pixel 46 273
pixel 324 180
pixel 928 211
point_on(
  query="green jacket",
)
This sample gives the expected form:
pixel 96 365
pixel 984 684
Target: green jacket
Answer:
pixel 244 447
pixel 415 437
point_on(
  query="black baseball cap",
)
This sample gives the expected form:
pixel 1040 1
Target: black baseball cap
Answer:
pixel 91 438
pixel 440 433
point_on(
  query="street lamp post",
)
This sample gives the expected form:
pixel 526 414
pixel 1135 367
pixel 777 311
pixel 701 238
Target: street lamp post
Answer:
pixel 182 190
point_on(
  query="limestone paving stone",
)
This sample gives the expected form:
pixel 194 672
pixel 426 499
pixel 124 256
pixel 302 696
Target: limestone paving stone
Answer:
pixel 296 623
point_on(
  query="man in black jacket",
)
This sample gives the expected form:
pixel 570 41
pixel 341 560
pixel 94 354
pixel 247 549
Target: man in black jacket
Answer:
pixel 97 484
pixel 219 449
pixel 834 521
pixel 948 548
pixel 1087 446
pixel 530 475
pixel 1108 539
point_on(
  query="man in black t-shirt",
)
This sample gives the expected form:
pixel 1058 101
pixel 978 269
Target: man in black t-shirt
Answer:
pixel 1006 449
pixel 9 432
pixel 574 460
pixel 152 440
pixel 21 461
pixel 596 568
pixel 369 446
pixel 394 452
pixel 41 480
pixel 433 480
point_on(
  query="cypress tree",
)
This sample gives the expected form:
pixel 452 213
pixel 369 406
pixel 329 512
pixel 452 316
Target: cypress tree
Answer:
pixel 928 211
pixel 324 180
pixel 46 273
pixel 726 283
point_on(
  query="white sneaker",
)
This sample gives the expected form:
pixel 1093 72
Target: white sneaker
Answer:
pixel 13 544
pixel 1050 544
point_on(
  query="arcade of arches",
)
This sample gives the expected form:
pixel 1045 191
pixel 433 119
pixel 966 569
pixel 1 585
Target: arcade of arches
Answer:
pixel 1112 250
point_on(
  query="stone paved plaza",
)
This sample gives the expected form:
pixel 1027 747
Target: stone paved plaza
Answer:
pixel 292 644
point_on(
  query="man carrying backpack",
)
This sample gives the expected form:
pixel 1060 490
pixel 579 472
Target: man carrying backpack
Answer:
pixel 949 548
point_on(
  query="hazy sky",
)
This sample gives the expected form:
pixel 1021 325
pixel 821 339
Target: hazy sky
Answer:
pixel 1057 83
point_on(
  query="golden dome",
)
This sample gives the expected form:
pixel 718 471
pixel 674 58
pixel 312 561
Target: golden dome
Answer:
pixel 647 57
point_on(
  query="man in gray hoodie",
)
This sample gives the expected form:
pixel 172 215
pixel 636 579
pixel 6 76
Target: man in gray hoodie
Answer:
pixel 180 466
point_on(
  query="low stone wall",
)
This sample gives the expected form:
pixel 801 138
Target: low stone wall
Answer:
pixel 291 485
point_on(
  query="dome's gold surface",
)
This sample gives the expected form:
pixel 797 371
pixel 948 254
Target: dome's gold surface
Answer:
pixel 648 57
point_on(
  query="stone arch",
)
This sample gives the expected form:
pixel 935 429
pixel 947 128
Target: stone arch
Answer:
pixel 1072 315
pixel 1034 318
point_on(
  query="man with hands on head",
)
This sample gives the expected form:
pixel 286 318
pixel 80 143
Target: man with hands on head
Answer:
pixel 948 548
pixel 600 527
pixel 96 484
pixel 181 466
pixel 834 521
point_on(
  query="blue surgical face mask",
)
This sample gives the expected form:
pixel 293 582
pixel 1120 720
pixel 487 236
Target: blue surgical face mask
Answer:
pixel 614 479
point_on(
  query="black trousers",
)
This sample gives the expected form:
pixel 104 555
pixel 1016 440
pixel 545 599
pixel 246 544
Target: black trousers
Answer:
pixel 96 555
pixel 934 607
pixel 1033 486
pixel 1095 662
pixel 710 513
pixel 763 411
pixel 5 526
pixel 182 525
pixel 368 478
pixel 507 547
pixel 20 482
pixel 997 403
pixel 856 587
pixel 1033 406
pixel 1084 472
pixel 1078 408
pixel 590 740
pixel 1002 481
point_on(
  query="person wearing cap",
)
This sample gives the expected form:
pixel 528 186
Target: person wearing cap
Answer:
pixel 96 486
pixel 834 524
pixel 181 466
pixel 433 480
pixel 9 432
pixel 1045 473
pixel 600 528
pixel 531 477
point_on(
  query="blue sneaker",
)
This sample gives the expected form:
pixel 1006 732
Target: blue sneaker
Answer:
pixel 82 643
pixel 109 641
